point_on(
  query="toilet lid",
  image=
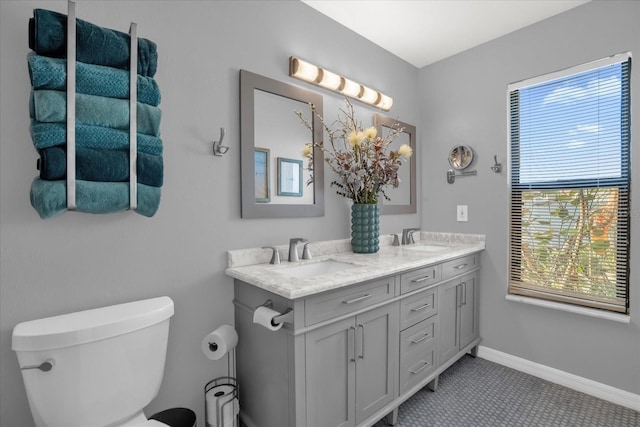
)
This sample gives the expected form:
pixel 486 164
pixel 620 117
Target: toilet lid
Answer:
pixel 90 325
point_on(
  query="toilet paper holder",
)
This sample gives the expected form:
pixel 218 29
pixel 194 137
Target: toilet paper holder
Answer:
pixel 228 397
pixel 285 317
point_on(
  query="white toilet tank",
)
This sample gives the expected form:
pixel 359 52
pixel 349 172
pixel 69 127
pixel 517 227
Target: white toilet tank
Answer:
pixel 106 364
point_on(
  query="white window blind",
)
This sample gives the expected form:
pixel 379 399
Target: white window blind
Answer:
pixel 570 182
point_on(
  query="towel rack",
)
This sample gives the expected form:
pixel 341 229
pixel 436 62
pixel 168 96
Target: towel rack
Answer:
pixel 133 116
pixel 71 105
pixel 71 110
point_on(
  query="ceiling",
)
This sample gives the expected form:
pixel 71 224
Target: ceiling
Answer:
pixel 425 31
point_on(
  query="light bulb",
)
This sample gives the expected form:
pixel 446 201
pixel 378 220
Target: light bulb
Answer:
pixel 330 80
pixel 369 96
pixel 350 88
pixel 304 70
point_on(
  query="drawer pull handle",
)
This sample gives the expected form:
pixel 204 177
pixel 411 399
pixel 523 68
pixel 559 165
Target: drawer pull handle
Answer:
pixel 419 340
pixel 422 307
pixel 422 279
pixel 417 371
pixel 363 297
pixel 461 266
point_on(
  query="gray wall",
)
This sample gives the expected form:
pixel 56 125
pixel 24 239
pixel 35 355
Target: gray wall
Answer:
pixel 463 100
pixel 80 261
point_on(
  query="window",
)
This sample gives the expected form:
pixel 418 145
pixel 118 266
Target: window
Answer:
pixel 569 182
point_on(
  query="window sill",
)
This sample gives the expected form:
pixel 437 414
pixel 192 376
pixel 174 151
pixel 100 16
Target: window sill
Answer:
pixel 616 317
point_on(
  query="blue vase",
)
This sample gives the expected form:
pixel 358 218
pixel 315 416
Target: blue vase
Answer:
pixel 365 228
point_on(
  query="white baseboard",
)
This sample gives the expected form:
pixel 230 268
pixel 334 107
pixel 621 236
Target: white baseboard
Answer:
pixel 593 388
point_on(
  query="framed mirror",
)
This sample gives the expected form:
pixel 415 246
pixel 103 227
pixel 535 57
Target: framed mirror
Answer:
pixel 460 157
pixel 269 124
pixel 403 198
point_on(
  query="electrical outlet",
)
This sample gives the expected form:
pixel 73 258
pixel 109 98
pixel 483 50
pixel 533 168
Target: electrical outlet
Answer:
pixel 462 214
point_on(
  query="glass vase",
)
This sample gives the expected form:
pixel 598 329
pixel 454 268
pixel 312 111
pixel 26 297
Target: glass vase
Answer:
pixel 365 228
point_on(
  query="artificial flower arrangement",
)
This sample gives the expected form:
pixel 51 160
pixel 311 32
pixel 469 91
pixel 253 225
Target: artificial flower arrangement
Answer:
pixel 362 159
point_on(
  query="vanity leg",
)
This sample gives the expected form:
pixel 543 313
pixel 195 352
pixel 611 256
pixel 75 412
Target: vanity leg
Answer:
pixel 433 385
pixel 474 351
pixel 392 417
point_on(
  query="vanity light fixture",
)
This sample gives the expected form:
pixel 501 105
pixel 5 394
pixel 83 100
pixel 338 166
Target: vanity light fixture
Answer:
pixel 313 74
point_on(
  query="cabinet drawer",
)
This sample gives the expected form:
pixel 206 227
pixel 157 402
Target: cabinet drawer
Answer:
pixel 419 278
pixel 343 301
pixel 418 353
pixel 459 266
pixel 418 307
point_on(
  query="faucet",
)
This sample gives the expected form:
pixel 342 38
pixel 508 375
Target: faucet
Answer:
pixel 407 235
pixel 293 248
pixel 275 257
pixel 306 254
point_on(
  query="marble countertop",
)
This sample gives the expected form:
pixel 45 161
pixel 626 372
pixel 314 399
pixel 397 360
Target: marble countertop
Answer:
pixel 252 265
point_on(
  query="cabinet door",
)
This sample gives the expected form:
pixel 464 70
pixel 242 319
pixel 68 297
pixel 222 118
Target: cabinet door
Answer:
pixel 468 309
pixel 330 375
pixel 449 339
pixel 376 359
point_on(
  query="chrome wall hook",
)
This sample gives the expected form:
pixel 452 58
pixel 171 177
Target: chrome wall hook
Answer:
pixel 218 148
pixel 497 167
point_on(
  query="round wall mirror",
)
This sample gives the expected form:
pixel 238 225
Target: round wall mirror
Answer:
pixel 460 157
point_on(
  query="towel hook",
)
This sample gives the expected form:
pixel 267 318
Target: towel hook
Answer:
pixel 218 148
pixel 497 167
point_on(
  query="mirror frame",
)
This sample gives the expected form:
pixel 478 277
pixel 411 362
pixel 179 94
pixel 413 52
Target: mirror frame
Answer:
pixel 249 83
pixel 379 121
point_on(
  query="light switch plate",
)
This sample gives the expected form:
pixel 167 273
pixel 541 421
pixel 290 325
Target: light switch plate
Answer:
pixel 462 214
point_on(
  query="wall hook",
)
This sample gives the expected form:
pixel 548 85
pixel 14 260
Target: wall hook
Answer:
pixel 218 148
pixel 497 167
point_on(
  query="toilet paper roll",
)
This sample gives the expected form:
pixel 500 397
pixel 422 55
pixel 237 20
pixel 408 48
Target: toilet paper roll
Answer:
pixel 222 407
pixel 264 315
pixel 219 342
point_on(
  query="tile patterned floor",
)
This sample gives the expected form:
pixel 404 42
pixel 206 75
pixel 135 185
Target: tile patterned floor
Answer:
pixel 479 393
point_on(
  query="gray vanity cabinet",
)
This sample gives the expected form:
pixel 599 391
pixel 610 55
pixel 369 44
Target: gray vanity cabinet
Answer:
pixel 351 368
pixel 458 315
pixel 348 356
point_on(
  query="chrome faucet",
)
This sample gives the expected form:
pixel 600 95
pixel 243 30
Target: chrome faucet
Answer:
pixel 275 256
pixel 306 254
pixel 407 235
pixel 293 248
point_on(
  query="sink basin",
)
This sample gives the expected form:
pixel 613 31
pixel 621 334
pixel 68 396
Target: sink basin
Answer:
pixel 429 248
pixel 315 269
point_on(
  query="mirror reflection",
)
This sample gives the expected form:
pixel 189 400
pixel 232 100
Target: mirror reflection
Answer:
pixel 460 157
pixel 403 198
pixel 273 169
pixel 278 128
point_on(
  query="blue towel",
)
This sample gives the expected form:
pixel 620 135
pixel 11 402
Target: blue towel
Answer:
pixel 50 106
pixel 94 164
pixel 94 44
pixel 54 134
pixel 49 198
pixel 51 73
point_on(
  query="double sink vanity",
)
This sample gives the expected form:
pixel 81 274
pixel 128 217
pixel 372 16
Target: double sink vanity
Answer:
pixel 361 333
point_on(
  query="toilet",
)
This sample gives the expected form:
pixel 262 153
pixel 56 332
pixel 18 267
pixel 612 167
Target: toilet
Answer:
pixel 97 367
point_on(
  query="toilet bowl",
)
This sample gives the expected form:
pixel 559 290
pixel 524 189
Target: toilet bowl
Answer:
pixel 97 367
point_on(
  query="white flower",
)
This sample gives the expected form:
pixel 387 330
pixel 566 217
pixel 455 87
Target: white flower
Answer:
pixel 355 138
pixel 405 151
pixel 370 133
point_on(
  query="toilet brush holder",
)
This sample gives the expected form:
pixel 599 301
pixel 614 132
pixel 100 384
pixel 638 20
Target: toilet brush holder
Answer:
pixel 221 402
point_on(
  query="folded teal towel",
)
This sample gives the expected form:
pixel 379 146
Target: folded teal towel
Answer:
pixel 49 198
pixel 94 44
pixel 51 73
pixel 94 164
pixel 50 106
pixel 54 134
